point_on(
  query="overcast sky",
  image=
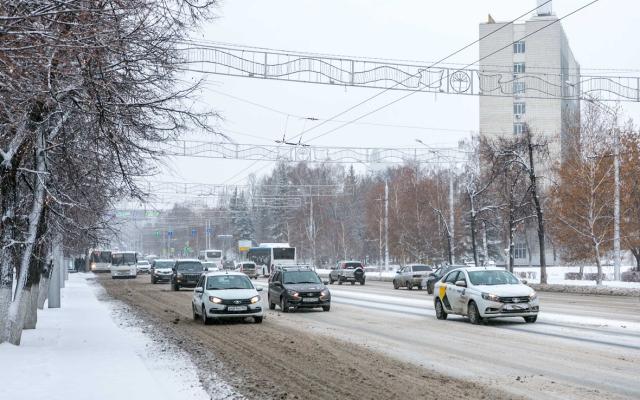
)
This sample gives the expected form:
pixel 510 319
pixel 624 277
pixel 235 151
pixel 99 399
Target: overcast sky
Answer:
pixel 602 36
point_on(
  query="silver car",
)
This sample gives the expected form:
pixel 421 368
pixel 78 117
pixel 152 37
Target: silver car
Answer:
pixel 411 276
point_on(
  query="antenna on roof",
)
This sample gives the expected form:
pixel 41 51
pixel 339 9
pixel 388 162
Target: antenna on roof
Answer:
pixel 490 20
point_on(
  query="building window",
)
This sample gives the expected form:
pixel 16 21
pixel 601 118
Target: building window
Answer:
pixel 518 68
pixel 518 87
pixel 519 108
pixel 518 128
pixel 518 47
pixel 520 250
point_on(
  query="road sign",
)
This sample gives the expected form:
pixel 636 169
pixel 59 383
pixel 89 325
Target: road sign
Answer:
pixel 170 233
pixel 244 245
pixel 194 232
pixel 209 231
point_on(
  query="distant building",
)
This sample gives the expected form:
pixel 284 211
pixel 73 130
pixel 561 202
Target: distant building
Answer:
pixel 532 74
pixel 532 80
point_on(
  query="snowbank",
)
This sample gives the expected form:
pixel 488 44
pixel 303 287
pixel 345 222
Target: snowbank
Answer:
pixel 80 352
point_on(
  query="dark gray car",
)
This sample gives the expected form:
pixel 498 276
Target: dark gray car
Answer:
pixel 430 280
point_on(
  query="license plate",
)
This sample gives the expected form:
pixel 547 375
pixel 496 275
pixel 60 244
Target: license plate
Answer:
pixel 237 308
pixel 517 306
pixel 310 300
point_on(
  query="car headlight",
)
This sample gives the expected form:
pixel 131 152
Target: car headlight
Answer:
pixel 255 299
pixel 324 293
pixel 293 293
pixel 93 265
pixel 215 300
pixel 533 296
pixel 180 276
pixel 490 297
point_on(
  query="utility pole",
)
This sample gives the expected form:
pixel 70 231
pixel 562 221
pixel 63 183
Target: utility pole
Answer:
pixel 616 204
pixel 386 226
pixel 451 216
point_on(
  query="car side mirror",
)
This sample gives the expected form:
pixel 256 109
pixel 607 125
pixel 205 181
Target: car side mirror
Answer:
pixel 259 289
pixel 198 290
pixel 206 268
pixel 325 282
pixel 524 281
pixel 461 283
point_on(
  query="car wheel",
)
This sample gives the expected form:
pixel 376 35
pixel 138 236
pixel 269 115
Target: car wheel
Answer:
pixel 440 312
pixel 531 319
pixel 395 285
pixel 474 315
pixel 419 287
pixel 331 280
pixel 175 287
pixel 339 281
pixel 205 320
pixel 193 310
pixel 353 282
pixel 153 281
pixel 258 320
pixel 284 305
pixel 272 306
pixel 429 289
pixel 362 282
pixel 409 286
pixel 326 308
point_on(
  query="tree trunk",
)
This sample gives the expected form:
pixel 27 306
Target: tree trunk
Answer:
pixel 43 291
pixel 512 247
pixel 636 255
pixel 472 224
pixel 8 187
pixel 31 306
pixel 538 206
pixel 13 329
pixel 596 247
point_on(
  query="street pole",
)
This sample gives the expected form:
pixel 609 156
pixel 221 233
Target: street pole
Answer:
pixel 616 205
pixel 386 226
pixel 451 216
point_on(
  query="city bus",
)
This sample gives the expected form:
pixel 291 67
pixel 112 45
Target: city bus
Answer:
pixel 268 255
pixel 100 260
pixel 211 255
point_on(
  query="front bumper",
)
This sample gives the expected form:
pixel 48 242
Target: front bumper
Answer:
pixel 222 311
pixel 161 277
pixel 299 302
pixel 498 309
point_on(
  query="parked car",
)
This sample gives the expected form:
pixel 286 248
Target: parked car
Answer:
pixel 347 271
pixel 143 266
pixel 161 270
pixel 297 287
pixel 484 292
pixel 186 273
pixel 248 268
pixel 431 278
pixel 226 294
pixel 411 275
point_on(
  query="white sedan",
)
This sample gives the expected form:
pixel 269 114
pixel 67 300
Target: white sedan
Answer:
pixel 482 293
pixel 226 294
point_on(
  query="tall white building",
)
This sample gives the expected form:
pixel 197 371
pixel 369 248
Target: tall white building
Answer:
pixel 537 78
pixel 528 75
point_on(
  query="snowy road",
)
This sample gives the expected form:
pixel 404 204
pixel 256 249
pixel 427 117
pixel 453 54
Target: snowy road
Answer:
pixel 583 347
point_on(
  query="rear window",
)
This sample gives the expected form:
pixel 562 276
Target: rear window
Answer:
pixel 189 266
pixel 249 266
pixel 163 264
pixel 214 254
pixel 418 268
pixel 351 265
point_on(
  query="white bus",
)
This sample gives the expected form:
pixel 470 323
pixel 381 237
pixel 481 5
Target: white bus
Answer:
pixel 269 255
pixel 124 264
pixel 100 260
pixel 211 255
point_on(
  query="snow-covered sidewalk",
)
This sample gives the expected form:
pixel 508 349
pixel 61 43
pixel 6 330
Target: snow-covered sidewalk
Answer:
pixel 80 352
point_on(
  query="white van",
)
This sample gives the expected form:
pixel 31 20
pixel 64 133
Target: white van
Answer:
pixel 211 255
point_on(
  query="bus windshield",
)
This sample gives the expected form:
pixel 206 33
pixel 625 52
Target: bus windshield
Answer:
pixel 123 259
pixel 101 256
pixel 284 253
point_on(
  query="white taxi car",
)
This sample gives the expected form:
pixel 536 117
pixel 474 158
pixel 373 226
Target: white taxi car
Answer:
pixel 226 294
pixel 484 292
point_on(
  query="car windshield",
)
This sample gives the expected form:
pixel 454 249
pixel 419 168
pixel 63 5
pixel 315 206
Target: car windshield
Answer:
pixel 194 266
pixel 296 277
pixel 249 266
pixel 224 282
pixel 214 254
pixel 492 278
pixel 284 253
pixel 163 264
pixel 143 262
pixel 352 265
pixel 418 268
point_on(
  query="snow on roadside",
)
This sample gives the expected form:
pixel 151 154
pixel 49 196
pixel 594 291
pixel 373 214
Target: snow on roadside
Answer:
pixel 80 352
